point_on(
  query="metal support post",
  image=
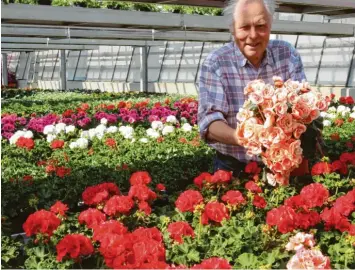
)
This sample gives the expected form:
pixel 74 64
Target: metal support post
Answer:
pixel 144 69
pixel 63 69
pixel 4 69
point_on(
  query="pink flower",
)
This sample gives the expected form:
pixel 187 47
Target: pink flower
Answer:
pixel 300 240
pixel 309 259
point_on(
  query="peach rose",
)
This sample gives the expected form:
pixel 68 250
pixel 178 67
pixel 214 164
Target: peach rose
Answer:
pixel 298 129
pixel 254 148
pixel 285 122
pixel 292 97
pixel 269 118
pixel 300 111
pixel 276 135
pixel 244 114
pixel 280 95
pixel 267 92
pixel 256 98
pixel 280 108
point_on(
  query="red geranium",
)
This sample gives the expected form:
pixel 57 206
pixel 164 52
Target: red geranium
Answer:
pixel 160 187
pixel 142 193
pixel 252 168
pixel 107 228
pixel 349 100
pixel 338 166
pixel 140 178
pixel 57 144
pixel 91 217
pixel 348 158
pixel 253 187
pixel 214 211
pixel 221 177
pixel 41 221
pixel 62 171
pixel 307 220
pixel 151 233
pixel 283 217
pixel 27 143
pixel 179 229
pixel 259 201
pixel 314 195
pixel 339 122
pixel 203 177
pixel 74 245
pixel 213 263
pixel 335 137
pixel 95 195
pixel 118 204
pixel 233 197
pixel 321 168
pixel 145 207
pixel 67 113
pixel 59 208
pixel 110 142
pixel 188 200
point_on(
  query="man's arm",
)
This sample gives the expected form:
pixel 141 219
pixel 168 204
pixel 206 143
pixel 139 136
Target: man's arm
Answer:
pixel 219 131
pixel 213 106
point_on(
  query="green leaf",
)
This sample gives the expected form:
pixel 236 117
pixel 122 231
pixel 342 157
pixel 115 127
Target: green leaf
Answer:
pixel 247 260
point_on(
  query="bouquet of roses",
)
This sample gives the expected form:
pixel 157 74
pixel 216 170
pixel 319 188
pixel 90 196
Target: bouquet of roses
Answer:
pixel 272 120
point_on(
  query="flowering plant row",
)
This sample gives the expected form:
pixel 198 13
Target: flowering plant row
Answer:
pixel 290 232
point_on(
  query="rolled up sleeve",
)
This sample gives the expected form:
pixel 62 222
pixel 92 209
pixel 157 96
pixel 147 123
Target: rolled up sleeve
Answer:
pixel 213 105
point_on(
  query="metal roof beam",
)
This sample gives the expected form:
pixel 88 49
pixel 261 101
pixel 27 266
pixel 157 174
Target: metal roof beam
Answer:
pixel 80 41
pixel 14 47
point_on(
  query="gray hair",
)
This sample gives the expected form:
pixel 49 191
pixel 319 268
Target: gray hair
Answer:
pixel 229 10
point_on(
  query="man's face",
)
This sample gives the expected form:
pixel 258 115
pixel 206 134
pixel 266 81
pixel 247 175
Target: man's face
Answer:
pixel 252 26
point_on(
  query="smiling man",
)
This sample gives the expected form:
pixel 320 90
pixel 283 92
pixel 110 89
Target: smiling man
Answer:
pixel 226 71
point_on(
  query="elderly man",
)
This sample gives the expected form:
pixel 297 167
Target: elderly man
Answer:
pixel 226 71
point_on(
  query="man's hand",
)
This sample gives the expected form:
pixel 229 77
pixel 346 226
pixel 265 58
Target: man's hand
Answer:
pixel 219 131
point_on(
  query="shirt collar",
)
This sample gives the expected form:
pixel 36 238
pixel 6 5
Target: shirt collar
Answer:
pixel 242 60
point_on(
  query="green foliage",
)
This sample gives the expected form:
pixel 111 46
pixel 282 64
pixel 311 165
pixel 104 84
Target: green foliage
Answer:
pixel 10 252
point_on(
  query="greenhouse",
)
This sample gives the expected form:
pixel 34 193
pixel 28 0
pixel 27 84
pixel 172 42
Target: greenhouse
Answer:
pixel 178 134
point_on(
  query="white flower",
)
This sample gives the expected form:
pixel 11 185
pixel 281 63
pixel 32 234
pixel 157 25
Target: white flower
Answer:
pixel 352 115
pixel 332 109
pixel 92 133
pixel 341 108
pixel 133 140
pixel 70 128
pixel 171 119
pixel 126 131
pixel 167 129
pixel 327 123
pixel 157 125
pixel 323 114
pixel 73 145
pixel 103 121
pixel 186 127
pixel 331 116
pixel 152 133
pixel 85 134
pixel 51 137
pixel 49 129
pixel 100 128
pixel 82 143
pixel 112 129
pixel 143 140
pixel 16 136
pixel 344 113
pixel 60 127
pixel 28 134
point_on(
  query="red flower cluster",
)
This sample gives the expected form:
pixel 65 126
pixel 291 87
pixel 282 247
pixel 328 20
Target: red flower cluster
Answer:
pixel 160 187
pixel 27 143
pixel 321 168
pixel 188 200
pixel 214 211
pixel 140 178
pixel 253 187
pixel 336 216
pixel 233 197
pixel 259 202
pixel 57 144
pixel 110 142
pixel 338 166
pixel 107 228
pixel 95 195
pixel 348 158
pixel 346 100
pixel 252 168
pixel 142 248
pixel 179 229
pixel 74 245
pixel 141 193
pixel 219 177
pixel 119 205
pixel 62 171
pixel 213 263
pixel 59 208
pixel 42 221
pixel 91 217
pixel 296 213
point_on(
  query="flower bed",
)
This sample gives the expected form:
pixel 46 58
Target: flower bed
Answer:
pixel 125 182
